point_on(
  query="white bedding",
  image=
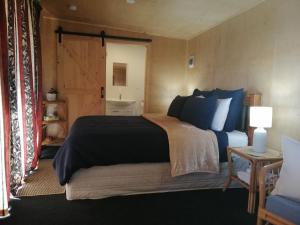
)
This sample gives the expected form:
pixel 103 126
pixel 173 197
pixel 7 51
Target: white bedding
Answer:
pixel 129 179
pixel 237 139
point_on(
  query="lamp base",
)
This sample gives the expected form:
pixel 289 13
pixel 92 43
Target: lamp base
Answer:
pixel 259 140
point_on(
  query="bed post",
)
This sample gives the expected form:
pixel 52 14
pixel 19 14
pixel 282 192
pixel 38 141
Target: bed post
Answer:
pixel 252 99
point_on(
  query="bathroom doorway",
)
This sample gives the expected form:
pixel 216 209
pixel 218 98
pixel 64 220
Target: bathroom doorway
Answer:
pixel 125 78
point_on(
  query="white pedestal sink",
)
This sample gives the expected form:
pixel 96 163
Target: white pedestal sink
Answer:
pixel 120 107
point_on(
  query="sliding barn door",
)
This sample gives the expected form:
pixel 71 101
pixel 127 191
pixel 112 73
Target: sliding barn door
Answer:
pixel 81 75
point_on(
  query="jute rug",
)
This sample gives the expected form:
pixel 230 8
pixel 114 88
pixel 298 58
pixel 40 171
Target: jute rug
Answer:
pixel 43 182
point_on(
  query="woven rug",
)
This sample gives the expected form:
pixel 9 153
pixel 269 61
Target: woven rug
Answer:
pixel 43 182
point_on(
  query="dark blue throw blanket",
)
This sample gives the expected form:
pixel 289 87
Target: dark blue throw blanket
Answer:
pixel 222 143
pixel 110 140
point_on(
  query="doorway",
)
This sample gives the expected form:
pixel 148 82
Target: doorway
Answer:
pixel 125 78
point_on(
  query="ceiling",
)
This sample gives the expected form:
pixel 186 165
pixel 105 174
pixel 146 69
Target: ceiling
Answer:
pixel 182 19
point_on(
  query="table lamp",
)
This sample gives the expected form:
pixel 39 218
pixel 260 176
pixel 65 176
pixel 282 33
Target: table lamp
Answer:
pixel 260 117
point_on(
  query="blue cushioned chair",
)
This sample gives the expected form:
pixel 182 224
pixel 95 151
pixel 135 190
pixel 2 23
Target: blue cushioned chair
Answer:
pixel 275 209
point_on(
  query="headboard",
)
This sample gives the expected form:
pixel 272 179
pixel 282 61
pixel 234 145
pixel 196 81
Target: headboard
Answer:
pixel 251 99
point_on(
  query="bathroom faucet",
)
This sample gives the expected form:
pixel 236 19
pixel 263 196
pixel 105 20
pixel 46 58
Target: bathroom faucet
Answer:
pixel 120 96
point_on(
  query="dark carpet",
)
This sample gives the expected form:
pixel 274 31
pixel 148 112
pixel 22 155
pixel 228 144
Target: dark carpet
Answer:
pixel 203 207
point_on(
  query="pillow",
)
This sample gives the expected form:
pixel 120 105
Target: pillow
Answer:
pixel 176 106
pixel 235 108
pixel 199 111
pixel 220 114
pixel 206 94
pixel 288 184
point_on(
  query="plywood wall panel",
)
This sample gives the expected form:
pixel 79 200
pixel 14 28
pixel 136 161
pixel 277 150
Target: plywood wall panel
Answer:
pixel 49 59
pixel 259 51
pixel 167 72
pixel 165 76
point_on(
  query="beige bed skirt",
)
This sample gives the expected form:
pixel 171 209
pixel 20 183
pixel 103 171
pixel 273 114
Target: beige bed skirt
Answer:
pixel 129 179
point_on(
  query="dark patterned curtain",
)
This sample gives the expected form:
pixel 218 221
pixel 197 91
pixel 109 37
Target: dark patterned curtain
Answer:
pixel 4 118
pixel 24 84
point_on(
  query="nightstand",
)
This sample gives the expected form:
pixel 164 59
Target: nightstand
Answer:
pixel 257 160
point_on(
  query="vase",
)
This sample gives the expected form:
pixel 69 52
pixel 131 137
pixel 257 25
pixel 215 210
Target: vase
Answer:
pixel 51 97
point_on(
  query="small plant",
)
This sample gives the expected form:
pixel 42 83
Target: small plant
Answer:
pixel 52 91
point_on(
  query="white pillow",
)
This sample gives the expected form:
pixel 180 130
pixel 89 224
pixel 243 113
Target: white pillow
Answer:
pixel 288 184
pixel 220 114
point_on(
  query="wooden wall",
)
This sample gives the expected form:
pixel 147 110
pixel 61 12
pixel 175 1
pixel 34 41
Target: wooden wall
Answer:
pixel 167 73
pixel 260 51
pixel 165 61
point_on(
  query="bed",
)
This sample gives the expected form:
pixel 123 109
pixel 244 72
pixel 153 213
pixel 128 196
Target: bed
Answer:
pixel 140 158
pixel 128 179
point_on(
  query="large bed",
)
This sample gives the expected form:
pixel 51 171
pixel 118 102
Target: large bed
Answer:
pixel 108 156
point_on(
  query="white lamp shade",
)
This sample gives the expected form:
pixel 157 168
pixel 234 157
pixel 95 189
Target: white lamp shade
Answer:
pixel 261 116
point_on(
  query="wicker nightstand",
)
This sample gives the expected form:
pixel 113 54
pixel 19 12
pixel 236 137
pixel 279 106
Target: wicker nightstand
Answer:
pixel 256 160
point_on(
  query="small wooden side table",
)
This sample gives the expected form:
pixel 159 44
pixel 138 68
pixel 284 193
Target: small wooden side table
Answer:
pixel 62 113
pixel 257 160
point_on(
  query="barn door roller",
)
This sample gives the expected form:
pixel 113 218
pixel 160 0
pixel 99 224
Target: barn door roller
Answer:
pixel 60 31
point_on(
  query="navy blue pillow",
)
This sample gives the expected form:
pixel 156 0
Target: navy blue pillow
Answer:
pixel 176 106
pixel 206 94
pixel 199 111
pixel 235 109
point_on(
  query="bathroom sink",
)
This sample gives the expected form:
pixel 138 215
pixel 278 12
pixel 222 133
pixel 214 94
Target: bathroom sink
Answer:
pixel 120 101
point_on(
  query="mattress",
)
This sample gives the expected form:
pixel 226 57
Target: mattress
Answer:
pixel 129 179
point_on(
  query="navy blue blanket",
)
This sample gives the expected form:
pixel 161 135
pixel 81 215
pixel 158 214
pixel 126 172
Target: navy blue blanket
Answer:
pixel 222 144
pixel 110 140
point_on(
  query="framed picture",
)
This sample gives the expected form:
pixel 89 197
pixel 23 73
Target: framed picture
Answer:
pixel 191 62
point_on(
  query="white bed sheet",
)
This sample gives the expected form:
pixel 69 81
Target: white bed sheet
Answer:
pixel 129 179
pixel 237 139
